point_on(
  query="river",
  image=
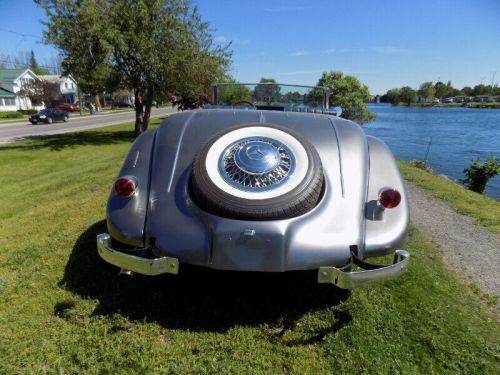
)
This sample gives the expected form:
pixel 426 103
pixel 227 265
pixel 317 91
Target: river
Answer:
pixel 456 136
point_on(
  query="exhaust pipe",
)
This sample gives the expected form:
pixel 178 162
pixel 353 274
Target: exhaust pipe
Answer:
pixel 126 274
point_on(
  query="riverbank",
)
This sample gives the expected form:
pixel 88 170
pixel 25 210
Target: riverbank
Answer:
pixel 484 210
pixel 465 226
pixel 493 105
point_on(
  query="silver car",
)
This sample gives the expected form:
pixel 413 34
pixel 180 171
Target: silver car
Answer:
pixel 266 178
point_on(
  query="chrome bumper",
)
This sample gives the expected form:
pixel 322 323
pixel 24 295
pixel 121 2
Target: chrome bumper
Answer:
pixel 146 266
pixel 331 275
pixel 371 273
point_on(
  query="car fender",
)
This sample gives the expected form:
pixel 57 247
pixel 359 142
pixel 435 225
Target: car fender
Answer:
pixel 129 213
pixel 385 229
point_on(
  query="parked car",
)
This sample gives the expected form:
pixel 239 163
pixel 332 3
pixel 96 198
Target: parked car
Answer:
pixel 122 104
pixel 65 106
pixel 254 183
pixel 49 115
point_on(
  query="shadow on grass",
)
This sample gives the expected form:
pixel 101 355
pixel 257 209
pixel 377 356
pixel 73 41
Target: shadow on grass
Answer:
pixel 199 299
pixel 60 142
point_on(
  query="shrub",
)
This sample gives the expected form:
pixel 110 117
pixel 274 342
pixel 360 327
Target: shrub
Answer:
pixel 12 114
pixel 421 164
pixel 479 173
pixel 27 111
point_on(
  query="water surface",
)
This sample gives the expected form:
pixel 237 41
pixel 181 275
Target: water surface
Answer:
pixel 457 136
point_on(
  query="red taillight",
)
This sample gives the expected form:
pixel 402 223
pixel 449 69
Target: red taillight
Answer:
pixel 389 198
pixel 125 186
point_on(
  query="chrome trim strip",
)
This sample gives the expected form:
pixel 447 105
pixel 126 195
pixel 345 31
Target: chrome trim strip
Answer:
pixel 371 273
pixel 146 266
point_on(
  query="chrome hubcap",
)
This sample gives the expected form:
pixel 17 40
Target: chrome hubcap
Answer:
pixel 257 157
pixel 256 164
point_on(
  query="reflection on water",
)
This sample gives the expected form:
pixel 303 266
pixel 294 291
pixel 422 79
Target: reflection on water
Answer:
pixel 457 135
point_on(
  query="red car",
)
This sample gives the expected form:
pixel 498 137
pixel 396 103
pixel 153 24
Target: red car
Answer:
pixel 65 106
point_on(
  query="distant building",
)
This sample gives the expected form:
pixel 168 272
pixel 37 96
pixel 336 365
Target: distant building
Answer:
pixel 11 82
pixel 67 87
pixel 484 98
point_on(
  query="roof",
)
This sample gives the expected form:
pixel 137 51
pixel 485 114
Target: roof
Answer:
pixel 6 93
pixel 50 77
pixel 10 75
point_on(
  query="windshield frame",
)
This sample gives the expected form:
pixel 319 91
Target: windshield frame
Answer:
pixel 215 90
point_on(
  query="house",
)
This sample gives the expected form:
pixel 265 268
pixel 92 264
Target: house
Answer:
pixel 11 82
pixel 67 87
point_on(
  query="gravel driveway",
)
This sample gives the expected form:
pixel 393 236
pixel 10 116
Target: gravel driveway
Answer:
pixel 468 248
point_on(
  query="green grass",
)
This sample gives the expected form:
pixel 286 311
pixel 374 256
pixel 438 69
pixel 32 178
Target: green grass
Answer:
pixel 483 209
pixel 62 309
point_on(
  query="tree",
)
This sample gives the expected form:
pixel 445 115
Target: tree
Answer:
pixel 233 92
pixel 40 91
pixel 407 95
pixel 151 46
pixel 347 92
pixel 427 90
pixel 443 90
pixel 392 96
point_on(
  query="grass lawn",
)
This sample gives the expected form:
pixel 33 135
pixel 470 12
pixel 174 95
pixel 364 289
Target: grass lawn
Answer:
pixel 484 210
pixel 63 311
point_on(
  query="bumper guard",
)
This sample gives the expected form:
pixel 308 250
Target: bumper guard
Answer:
pixel 146 266
pixel 371 272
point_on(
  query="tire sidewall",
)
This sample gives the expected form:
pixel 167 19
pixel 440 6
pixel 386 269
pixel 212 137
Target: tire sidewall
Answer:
pixel 214 197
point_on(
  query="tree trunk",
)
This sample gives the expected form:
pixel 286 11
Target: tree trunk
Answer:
pixel 97 102
pixel 147 113
pixel 139 113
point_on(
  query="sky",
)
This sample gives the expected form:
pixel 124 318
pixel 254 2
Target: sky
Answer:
pixel 385 44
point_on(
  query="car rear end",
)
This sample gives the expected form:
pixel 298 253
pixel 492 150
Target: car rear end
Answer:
pixel 159 220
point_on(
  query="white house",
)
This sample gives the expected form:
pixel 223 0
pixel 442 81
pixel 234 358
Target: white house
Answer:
pixel 11 82
pixel 67 86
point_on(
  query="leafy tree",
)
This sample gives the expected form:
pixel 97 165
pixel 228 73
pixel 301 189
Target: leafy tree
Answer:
pixel 482 90
pixel 407 95
pixel 152 46
pixel 233 92
pixel 40 91
pixel 443 90
pixel 393 96
pixel 467 91
pixel 479 173
pixel 347 92
pixel 427 90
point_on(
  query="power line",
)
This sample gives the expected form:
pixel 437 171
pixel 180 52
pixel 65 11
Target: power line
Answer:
pixel 20 34
pixel 19 65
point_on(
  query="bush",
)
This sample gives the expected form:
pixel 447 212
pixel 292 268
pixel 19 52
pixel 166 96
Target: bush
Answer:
pixel 12 114
pixel 479 173
pixel 27 111
pixel 421 164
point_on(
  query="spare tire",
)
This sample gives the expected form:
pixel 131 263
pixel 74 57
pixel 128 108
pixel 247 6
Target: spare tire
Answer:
pixel 257 172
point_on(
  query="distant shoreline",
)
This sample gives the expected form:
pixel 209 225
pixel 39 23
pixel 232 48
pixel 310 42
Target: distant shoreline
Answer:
pixel 493 105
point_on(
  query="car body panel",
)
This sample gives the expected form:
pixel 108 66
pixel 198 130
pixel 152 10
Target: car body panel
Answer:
pixel 170 223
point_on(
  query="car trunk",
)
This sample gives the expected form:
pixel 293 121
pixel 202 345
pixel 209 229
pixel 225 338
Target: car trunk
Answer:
pixel 177 227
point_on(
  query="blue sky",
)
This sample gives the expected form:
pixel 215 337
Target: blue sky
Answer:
pixel 384 43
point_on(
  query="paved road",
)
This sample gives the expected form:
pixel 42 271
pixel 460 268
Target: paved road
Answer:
pixel 20 131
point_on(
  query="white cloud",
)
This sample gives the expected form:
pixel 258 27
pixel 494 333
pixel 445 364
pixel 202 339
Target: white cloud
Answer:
pixel 299 53
pixel 330 51
pixel 226 39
